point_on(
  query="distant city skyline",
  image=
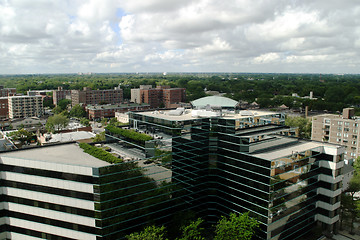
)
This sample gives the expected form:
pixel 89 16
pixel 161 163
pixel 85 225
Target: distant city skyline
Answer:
pixel 114 36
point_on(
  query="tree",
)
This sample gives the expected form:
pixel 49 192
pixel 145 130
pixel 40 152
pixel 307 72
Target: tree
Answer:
pixel 354 186
pixel 192 231
pixel 357 166
pixel 77 111
pixel 21 135
pixel 303 125
pixel 100 137
pixel 56 122
pixel 85 122
pixel 57 110
pixel 149 233
pixel 236 227
pixel 63 103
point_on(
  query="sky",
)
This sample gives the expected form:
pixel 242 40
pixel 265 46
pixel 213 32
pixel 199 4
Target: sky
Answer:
pixel 101 36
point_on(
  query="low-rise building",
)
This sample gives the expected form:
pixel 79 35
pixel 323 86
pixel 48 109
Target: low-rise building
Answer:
pixel 96 112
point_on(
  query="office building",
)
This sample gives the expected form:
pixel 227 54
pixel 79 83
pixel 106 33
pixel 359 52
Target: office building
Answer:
pixel 25 106
pixel 339 129
pixel 239 161
pixel 159 97
pixel 93 97
pixel 61 192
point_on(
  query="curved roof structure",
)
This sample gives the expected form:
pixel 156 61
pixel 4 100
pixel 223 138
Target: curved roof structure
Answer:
pixel 217 101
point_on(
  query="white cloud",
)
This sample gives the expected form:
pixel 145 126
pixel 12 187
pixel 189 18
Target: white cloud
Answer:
pixel 180 35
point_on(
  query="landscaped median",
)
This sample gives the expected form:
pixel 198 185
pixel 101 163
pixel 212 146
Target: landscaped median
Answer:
pixel 128 135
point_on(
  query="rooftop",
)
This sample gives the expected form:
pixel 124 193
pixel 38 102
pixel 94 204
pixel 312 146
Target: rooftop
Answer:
pixel 112 106
pixel 188 114
pixel 215 101
pixel 70 136
pixel 65 153
pixel 286 151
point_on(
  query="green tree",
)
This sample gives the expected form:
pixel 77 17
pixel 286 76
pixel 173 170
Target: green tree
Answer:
pixel 77 111
pixel 193 231
pixel 354 186
pixel 85 122
pixel 303 125
pixel 57 110
pixel 99 137
pixel 56 122
pixel 357 166
pixel 63 103
pixel 149 233
pixel 21 135
pixel 236 227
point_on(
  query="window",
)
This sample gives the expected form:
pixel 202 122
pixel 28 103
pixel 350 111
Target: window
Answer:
pixel 346 134
pixel 339 128
pixel 346 124
pixel 327 121
pixel 355 124
pixel 338 134
pixel 340 122
pixel 338 139
pixel 353 142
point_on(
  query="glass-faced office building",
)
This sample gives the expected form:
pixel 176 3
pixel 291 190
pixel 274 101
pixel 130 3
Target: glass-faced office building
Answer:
pixel 61 192
pixel 239 161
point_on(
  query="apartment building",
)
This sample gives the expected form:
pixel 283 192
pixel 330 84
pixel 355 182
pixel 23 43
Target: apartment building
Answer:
pixel 5 92
pixel 247 161
pixel 161 96
pixel 25 106
pixel 4 108
pixel 61 94
pixel 92 97
pixel 338 129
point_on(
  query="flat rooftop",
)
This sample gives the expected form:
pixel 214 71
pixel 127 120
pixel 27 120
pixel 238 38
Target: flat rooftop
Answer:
pixel 115 106
pixel 70 154
pixel 187 115
pixel 286 151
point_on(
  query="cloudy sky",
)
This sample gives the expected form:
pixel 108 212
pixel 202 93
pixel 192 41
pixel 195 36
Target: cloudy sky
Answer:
pixel 69 36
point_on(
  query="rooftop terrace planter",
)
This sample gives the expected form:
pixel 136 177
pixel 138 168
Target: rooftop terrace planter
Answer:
pixel 128 135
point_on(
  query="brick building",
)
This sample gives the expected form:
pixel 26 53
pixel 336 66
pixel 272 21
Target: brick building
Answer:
pixel 107 111
pixel 161 96
pixel 4 108
pixel 61 94
pixel 4 92
pixel 92 97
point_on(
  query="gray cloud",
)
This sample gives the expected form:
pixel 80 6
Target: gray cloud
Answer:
pixel 181 35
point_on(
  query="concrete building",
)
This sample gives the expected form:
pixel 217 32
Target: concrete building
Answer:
pixel 96 112
pixel 161 96
pixel 25 106
pixel 248 161
pixel 61 94
pixel 93 97
pixel 339 129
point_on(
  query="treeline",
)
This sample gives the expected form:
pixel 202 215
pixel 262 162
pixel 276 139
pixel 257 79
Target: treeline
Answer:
pixel 333 92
